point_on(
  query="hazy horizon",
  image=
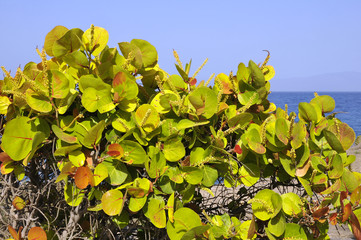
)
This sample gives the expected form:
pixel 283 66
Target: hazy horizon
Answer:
pixel 305 38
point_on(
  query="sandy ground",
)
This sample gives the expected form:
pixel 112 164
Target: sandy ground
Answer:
pixel 335 233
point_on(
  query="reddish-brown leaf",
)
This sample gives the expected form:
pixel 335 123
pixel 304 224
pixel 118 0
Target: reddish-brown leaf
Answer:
pixel 119 78
pixel 83 177
pixel 346 212
pixel 320 213
pixel 192 81
pixel 333 218
pixel 355 225
pixel 343 196
pixel 252 228
pixel 300 172
pixel 88 157
pixel 136 192
pixel 4 157
pixel 115 150
pixel 37 233
pixel 14 234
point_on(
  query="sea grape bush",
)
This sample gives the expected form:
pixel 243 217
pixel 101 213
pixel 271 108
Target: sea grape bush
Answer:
pixel 133 151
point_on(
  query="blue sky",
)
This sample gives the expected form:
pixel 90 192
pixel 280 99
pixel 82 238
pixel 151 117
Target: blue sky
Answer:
pixel 305 38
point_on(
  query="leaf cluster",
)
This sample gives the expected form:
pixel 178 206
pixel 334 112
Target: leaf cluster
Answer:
pixel 134 142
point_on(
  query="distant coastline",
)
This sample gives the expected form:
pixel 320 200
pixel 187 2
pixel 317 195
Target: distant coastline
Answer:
pixel 330 82
pixel 347 103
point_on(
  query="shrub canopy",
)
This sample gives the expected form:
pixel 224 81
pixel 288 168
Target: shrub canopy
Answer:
pixel 103 144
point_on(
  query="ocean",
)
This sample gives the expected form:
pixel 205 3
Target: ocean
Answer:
pixel 349 103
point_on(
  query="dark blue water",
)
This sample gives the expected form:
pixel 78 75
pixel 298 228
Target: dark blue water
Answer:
pixel 347 102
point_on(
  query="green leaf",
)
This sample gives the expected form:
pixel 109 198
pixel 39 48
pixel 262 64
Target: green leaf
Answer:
pixel 184 220
pixel 91 81
pixel 291 204
pixel 76 60
pixel 62 151
pixel 156 162
pixel 249 174
pixel 156 213
pixel 59 84
pixel 125 86
pixel 65 103
pixel 175 174
pixel 256 75
pixel 147 117
pixel 148 52
pixel 336 168
pixel 196 156
pixel 63 136
pixel 38 102
pixel 17 139
pixel 94 135
pixel 123 121
pixel 241 119
pixel 204 100
pixel 69 42
pixel 342 134
pixel 133 152
pixel 93 100
pixel 288 164
pixel 100 173
pixel 243 73
pixel 277 224
pixel 73 195
pixel 77 158
pixel 302 155
pixel 333 141
pixel 135 204
pixel 96 43
pixel 210 175
pixel 133 53
pixel 307 112
pixel 170 207
pixel 282 130
pixel 162 101
pixel 186 123
pixel 140 188
pixel 177 82
pixel 298 134
pixel 325 102
pixel 294 231
pixel 225 83
pixel 122 220
pixel 19 172
pixel 188 193
pixel 112 202
pixel 117 171
pixel 263 205
pixel 195 232
pixel 253 137
pixel 268 72
pixel 174 150
pixel 349 181
pixel 4 104
pixel 193 175
pixel 55 34
pixel 318 164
